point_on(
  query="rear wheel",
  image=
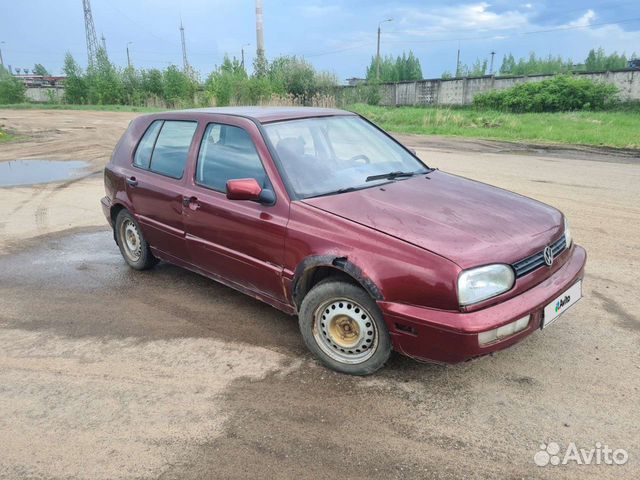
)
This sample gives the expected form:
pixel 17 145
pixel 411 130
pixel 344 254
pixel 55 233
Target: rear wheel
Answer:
pixel 342 325
pixel 133 246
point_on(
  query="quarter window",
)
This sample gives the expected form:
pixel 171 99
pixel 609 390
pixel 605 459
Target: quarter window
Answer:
pixel 145 147
pixel 227 153
pixel 172 148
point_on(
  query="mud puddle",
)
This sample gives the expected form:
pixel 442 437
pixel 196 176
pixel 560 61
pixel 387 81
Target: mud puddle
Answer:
pixel 15 173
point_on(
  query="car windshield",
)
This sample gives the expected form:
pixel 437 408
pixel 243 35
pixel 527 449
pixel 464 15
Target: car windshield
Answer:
pixel 326 155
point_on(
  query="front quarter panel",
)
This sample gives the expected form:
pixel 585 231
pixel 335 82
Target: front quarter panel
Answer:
pixel 402 273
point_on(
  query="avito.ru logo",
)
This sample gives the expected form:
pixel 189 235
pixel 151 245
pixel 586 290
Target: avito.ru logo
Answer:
pixel 561 303
pixel 550 454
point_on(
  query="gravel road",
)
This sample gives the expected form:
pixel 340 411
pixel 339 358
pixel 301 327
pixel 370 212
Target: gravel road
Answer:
pixel 110 373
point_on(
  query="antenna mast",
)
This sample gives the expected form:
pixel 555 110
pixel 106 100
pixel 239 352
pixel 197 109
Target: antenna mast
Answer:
pixel 90 31
pixel 185 62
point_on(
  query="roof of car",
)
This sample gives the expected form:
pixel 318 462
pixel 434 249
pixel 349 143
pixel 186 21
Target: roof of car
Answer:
pixel 272 114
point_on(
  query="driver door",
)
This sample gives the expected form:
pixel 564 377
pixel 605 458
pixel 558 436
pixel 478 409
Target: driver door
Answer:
pixel 238 242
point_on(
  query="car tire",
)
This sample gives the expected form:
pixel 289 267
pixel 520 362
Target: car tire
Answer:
pixel 343 327
pixel 133 246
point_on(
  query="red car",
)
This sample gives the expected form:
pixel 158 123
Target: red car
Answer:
pixel 323 215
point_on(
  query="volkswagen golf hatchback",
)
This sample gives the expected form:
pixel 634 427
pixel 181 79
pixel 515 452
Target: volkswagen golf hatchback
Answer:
pixel 322 215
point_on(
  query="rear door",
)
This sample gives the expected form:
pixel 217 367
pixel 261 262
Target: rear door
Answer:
pixel 156 184
pixel 237 241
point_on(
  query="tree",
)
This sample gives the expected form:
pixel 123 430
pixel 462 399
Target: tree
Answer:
pixel 405 67
pixel 534 65
pixel 104 82
pixel 38 69
pixel 132 86
pixel 293 75
pixel 226 83
pixel 12 89
pixel 75 87
pixel 179 88
pixel 152 82
pixel 599 61
pixel 478 69
pixel 260 65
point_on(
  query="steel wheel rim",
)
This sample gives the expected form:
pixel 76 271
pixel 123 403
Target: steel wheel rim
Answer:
pixel 345 331
pixel 131 240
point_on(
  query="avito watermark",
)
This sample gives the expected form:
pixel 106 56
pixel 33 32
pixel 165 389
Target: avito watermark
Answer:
pixel 551 454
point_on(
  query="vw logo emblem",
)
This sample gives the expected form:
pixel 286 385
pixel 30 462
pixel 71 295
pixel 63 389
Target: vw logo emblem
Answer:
pixel 548 256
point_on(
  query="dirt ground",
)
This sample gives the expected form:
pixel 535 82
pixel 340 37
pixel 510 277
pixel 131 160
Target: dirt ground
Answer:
pixel 110 373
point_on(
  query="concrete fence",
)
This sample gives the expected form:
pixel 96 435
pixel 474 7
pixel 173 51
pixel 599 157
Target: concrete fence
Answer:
pixel 460 91
pixel 44 94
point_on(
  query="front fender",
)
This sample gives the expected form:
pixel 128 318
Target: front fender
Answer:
pixel 340 263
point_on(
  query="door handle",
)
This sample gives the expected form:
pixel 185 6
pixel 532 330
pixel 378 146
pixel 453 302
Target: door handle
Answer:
pixel 132 182
pixel 191 202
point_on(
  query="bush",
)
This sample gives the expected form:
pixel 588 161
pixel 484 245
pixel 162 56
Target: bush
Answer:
pixel 12 90
pixel 559 94
pixel 369 93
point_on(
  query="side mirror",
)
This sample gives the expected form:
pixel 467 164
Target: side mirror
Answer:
pixel 413 150
pixel 249 189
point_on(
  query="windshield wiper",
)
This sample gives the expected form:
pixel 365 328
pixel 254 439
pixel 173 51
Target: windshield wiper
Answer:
pixel 336 192
pixel 390 176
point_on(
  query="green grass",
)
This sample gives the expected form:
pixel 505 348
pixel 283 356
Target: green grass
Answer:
pixel 5 137
pixel 617 129
pixel 104 108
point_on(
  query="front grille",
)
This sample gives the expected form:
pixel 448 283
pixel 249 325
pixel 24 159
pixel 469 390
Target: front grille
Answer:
pixel 536 260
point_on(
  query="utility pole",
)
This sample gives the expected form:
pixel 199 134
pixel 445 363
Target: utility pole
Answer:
pixel 104 43
pixel 90 33
pixel 378 49
pixel 1 60
pixel 458 63
pixel 259 28
pixel 185 62
pixel 491 67
pixel 242 53
pixel 128 56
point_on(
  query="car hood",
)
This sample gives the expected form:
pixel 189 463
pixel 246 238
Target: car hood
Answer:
pixel 468 222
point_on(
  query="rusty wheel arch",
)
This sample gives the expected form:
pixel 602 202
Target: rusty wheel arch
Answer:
pixel 314 269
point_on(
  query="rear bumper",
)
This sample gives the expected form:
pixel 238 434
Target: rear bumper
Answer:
pixel 105 202
pixel 451 337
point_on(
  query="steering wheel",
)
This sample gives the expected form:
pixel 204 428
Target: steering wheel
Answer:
pixel 360 159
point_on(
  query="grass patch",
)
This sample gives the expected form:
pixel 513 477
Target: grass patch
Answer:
pixel 617 129
pixel 5 137
pixel 61 106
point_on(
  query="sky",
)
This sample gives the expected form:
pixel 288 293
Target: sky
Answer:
pixel 338 36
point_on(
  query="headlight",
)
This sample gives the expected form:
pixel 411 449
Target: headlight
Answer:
pixel 484 282
pixel 567 233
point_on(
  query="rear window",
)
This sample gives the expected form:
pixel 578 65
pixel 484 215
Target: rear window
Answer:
pixel 164 147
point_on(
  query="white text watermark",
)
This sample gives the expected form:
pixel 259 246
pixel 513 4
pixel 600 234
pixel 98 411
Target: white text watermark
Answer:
pixel 601 454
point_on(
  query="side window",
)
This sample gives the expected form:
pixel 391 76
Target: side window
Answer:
pixel 145 147
pixel 227 153
pixel 172 148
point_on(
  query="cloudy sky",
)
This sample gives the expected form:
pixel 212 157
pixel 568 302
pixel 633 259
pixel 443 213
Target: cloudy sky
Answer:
pixel 335 35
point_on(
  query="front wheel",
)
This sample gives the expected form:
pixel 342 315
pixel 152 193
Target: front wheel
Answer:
pixel 133 246
pixel 342 325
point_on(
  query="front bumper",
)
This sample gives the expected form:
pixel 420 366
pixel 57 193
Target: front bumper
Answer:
pixel 452 337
